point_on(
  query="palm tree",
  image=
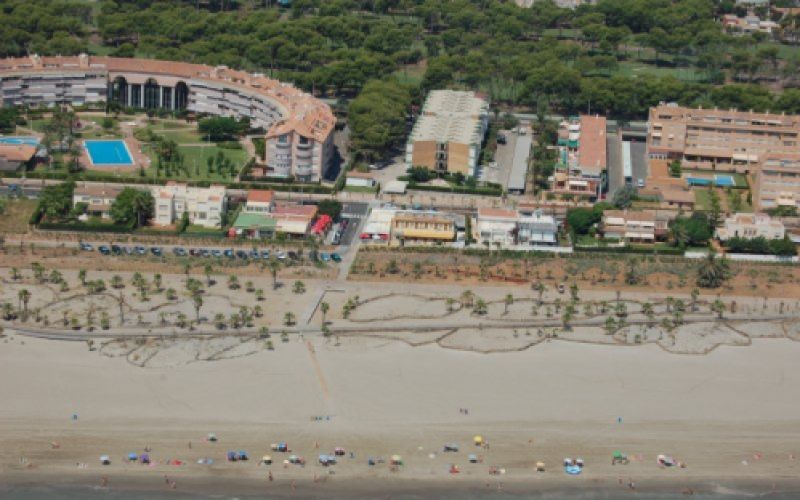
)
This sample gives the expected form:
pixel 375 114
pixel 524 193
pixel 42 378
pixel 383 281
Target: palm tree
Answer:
pixel 116 281
pixel 712 272
pixel 323 308
pixel 467 298
pixel 249 287
pixel 299 287
pixel 274 266
pixel 219 321
pixel 38 271
pixel 15 274
pixel 540 289
pixel 157 281
pixel 718 307
pixel 647 310
pixel 695 295
pixel 288 319
pixel 55 276
pixel 680 236
pixel 82 276
pixel 480 307
pixel 121 301
pixel 573 291
pixel 450 302
pixel 507 302
pixel 208 270
pixel 260 294
pixel 24 296
pixel 233 282
pixel 258 311
pixel 610 325
pixel 567 315
pixel 171 294
pixel 197 301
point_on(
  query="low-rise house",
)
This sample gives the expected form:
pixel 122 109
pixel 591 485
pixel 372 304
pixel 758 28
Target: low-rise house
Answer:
pixel 294 220
pixel 497 226
pixel 15 156
pixel 97 198
pixel 204 206
pixel 634 225
pixel 422 226
pixel 378 225
pixel 360 179
pixel 536 228
pixel 258 201
pixel 751 226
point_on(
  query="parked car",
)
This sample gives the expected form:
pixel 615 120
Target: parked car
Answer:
pixel 129 250
pixel 293 255
pixel 241 254
pixel 336 257
pixel 194 252
pixel 324 256
pixel 103 249
pixel 265 254
pixel 229 253
pixel 116 249
pixel 86 247
pixel 216 253
pixel 156 251
pixel 501 139
pixel 337 238
pixel 281 255
pixel 179 251
pixel 253 254
pixel 141 250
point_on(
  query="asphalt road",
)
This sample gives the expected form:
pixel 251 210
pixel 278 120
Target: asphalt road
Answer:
pixel 616 178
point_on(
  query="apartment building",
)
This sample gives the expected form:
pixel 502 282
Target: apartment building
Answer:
pixel 751 226
pixel 777 183
pixel 764 144
pixel 298 127
pixel 727 140
pixel 204 206
pixel 582 159
pixel 535 228
pixel 97 198
pixel 449 132
pixel 634 225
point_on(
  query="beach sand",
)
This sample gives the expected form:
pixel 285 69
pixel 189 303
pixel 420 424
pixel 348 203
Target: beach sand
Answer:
pixel 731 416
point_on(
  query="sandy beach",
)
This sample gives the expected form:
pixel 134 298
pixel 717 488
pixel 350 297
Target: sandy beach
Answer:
pixel 731 416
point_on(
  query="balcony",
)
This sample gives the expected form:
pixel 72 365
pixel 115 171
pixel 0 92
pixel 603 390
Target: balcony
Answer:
pixel 303 154
pixel 304 170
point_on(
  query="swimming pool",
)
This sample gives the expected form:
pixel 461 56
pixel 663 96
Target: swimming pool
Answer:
pixel 33 141
pixel 724 180
pixel 106 153
pixel 718 180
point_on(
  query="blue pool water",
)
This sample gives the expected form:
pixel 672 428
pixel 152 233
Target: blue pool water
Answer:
pixel 113 152
pixel 724 180
pixel 719 180
pixel 33 141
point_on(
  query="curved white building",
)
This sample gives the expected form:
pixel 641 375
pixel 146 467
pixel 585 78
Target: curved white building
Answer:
pixel 299 127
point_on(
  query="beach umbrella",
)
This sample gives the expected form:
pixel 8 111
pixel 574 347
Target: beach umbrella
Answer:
pixel 540 466
pixel 105 460
pixel 266 459
pixel 133 457
pixel 478 440
pixel 473 458
pixel 144 458
pixel 212 437
pixel 396 460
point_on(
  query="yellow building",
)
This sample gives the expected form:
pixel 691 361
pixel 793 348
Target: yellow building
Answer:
pixel 423 226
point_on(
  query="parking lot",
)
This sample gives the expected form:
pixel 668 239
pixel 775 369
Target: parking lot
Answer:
pixel 252 254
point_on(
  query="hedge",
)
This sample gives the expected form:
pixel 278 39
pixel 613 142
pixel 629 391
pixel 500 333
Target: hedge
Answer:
pixel 637 250
pixel 87 226
pixel 99 177
pixel 485 191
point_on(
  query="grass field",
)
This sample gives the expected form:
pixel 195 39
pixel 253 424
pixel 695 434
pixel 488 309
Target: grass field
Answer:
pixel 14 218
pixel 195 159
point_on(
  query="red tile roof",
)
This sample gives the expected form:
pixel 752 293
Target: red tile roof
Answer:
pixel 260 196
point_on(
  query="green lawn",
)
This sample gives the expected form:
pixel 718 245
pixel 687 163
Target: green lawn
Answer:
pixel 702 199
pixel 361 189
pixel 195 159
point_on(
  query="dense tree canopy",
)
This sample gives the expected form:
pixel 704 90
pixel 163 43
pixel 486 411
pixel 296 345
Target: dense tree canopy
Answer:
pixel 377 118
pixel 617 57
pixel 132 206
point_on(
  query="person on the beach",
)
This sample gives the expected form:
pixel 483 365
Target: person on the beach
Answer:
pixel 270 476
pixel 104 481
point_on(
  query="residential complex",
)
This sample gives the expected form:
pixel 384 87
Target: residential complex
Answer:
pixel 449 132
pixel 750 226
pixel 299 127
pixel 762 144
pixel 582 159
pixel 204 206
pixel 14 156
pixel 423 226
